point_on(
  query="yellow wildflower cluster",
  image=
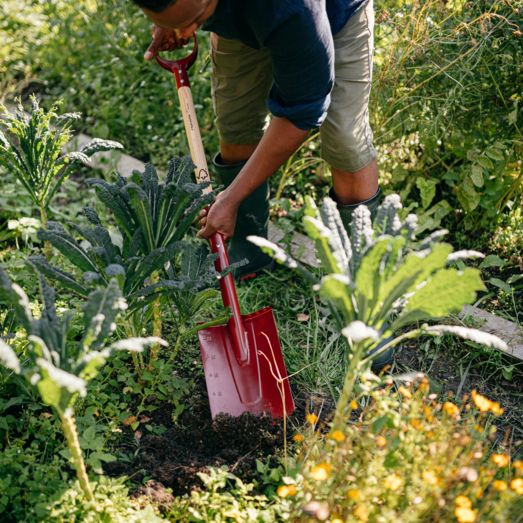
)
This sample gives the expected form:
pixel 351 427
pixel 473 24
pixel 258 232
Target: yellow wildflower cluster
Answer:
pixel 451 409
pixel 353 493
pixel 501 460
pixel 499 485
pixel 311 418
pixel 286 490
pixel 428 415
pixel 484 405
pixel 405 392
pixel 321 472
pixel 464 511
pixel 338 436
pixel 361 513
pixel 401 444
pixel 392 482
pixel 430 477
pixel 517 485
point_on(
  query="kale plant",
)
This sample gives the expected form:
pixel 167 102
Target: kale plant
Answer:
pixel 59 369
pixel 379 281
pixel 154 263
pixel 36 161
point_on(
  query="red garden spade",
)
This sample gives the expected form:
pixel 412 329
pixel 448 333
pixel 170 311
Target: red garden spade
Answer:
pixel 242 359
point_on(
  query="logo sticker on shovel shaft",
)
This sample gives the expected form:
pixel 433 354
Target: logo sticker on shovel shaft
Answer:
pixel 234 388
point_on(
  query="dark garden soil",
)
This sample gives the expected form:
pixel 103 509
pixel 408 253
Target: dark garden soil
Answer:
pixel 197 441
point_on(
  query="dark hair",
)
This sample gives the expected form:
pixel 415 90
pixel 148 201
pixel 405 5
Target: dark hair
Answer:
pixel 156 6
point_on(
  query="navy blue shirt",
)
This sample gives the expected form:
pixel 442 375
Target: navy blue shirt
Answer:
pixel 299 36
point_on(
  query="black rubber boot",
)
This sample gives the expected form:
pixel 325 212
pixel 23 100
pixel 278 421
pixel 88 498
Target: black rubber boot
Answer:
pixel 346 217
pixel 346 210
pixel 252 219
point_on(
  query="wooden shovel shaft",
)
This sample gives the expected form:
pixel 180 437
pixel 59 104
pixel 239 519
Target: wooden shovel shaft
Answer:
pixel 193 136
pixel 227 287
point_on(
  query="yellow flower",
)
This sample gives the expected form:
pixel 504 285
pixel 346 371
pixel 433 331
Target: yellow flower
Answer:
pixel 286 490
pixel 321 472
pixel 428 415
pixel 465 515
pixel 482 403
pixel 361 512
pixel 478 428
pixel 381 441
pixel 517 485
pixel 451 409
pixel 463 501
pixel 501 460
pixel 353 404
pixel 298 438
pixel 337 520
pixel 430 478
pixel 353 494
pixel 415 423
pixel 234 512
pixel 338 436
pixel 496 409
pixel 499 485
pixel 424 386
pixel 518 465
pixel 392 482
pixel 312 418
pixel 430 434
pixel 405 392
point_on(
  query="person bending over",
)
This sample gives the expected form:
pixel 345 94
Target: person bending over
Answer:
pixel 309 64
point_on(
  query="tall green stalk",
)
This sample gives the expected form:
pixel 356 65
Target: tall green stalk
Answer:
pixel 71 436
pixel 157 322
pixel 348 387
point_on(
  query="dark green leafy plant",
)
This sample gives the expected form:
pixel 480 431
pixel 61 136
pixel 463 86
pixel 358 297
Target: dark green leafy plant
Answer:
pixel 380 281
pixel 57 368
pixel 36 160
pixel 104 262
pixel 166 212
pixel 161 214
pixel 197 273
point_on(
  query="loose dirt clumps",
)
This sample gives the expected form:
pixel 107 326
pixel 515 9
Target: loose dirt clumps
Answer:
pixel 156 493
pixel 196 442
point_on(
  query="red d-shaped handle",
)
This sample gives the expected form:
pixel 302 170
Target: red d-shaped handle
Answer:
pixel 180 67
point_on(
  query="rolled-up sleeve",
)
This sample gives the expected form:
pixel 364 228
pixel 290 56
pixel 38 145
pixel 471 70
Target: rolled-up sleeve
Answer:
pixel 302 54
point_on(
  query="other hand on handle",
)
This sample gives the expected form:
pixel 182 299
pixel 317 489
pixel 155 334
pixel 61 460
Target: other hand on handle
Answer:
pixel 163 40
pixel 221 217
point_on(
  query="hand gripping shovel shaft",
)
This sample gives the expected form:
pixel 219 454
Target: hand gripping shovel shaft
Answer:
pixel 242 359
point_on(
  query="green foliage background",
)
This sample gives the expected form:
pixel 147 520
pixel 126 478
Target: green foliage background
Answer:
pixel 444 109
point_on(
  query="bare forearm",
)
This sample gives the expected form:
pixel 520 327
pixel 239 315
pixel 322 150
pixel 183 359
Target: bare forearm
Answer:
pixel 279 143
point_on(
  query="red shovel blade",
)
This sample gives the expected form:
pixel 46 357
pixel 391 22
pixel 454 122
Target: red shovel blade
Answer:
pixel 253 387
